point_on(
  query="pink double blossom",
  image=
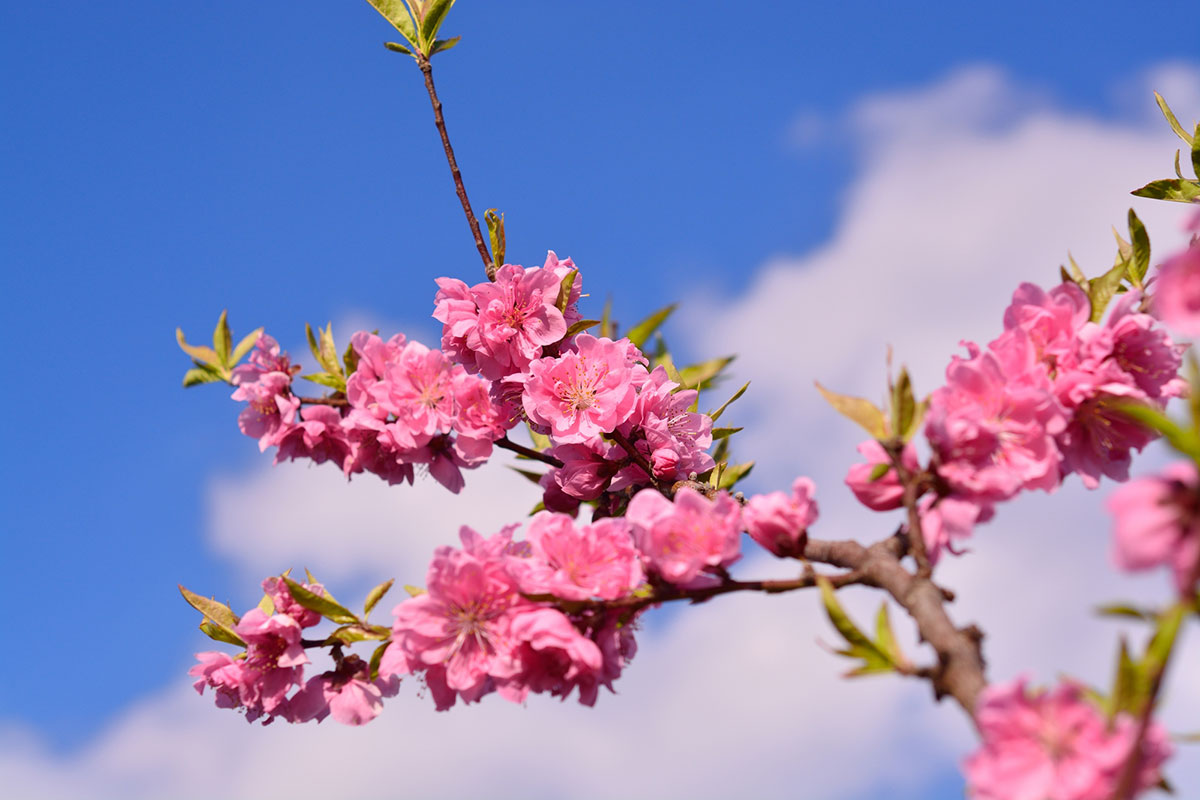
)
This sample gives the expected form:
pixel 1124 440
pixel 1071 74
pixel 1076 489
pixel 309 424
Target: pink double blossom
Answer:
pixel 271 407
pixel 1055 745
pixel 319 436
pixel 579 562
pixel 682 539
pixel 347 694
pixel 1156 522
pixel 264 357
pixel 946 520
pixel 1176 299
pixel 778 521
pixel 884 492
pixel 583 393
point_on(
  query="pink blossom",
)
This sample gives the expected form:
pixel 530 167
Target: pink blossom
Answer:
pixel 583 394
pixel 418 390
pixel 220 672
pixel 778 522
pixel 1176 299
pixel 1098 440
pixel 346 693
pixel 587 468
pixel 1054 746
pixel 993 429
pixel 675 437
pixel 281 596
pixel 681 539
pixel 1050 320
pixel 946 519
pixel 319 436
pixel 1156 522
pixel 552 657
pixel 579 563
pixel 271 409
pixel 264 358
pixel 885 492
pixel 1130 341
pixel 274 659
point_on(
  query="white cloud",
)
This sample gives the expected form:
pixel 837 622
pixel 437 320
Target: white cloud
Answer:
pixel 966 188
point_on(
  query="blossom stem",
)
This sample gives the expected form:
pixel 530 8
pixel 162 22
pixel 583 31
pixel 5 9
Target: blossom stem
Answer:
pixel 640 460
pixel 912 486
pixel 427 70
pixel 508 444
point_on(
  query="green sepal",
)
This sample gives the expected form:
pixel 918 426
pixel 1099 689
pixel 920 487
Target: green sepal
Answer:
pixel 202 373
pixel 1174 189
pixel 244 346
pixel 580 327
pixel 715 415
pixel 336 382
pixel 1139 262
pixel 222 338
pixel 322 605
pixel 375 595
pixel 1185 440
pixel 858 410
pixel 495 223
pixel 220 634
pixel 639 334
pixel 701 376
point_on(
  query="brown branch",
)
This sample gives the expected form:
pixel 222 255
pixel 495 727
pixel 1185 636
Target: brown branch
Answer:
pixel 640 460
pixel 427 71
pixel 508 444
pixel 337 402
pixel 912 491
pixel 960 669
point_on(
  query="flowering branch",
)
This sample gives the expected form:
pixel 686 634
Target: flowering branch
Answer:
pixel 427 71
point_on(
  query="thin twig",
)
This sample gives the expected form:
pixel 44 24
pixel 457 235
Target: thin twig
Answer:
pixel 640 460
pixel 337 402
pixel 427 71
pixel 508 444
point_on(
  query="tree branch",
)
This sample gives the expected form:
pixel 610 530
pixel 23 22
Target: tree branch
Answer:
pixel 508 444
pixel 427 71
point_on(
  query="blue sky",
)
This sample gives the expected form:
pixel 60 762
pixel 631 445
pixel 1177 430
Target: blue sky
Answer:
pixel 161 162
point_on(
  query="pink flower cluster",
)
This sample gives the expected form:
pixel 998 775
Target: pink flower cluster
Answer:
pixel 1055 746
pixel 1176 299
pixel 258 680
pixel 406 405
pixel 581 392
pixel 1157 523
pixel 1033 407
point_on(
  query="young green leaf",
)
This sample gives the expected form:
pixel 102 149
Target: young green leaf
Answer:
pixel 1185 440
pixel 222 337
pixel 1175 189
pixel 329 353
pixel 885 638
pixel 1196 151
pixel 413 591
pixel 350 359
pixel 580 327
pixel 721 433
pixel 715 415
pixel 435 15
pixel 1140 262
pixel 731 475
pixel 529 475
pixel 442 45
pixel 540 441
pixel 220 634
pixel 335 382
pixel 860 647
pixel 202 373
pixel 1127 610
pixel 858 410
pixel 607 329
pixel 202 354
pixel 322 605
pixel 904 407
pixel 375 595
pixel 700 376
pixel 248 341
pixel 495 222
pixel 396 47
pixel 564 290
pixel 216 611
pixel 376 658
pixel 1101 289
pixel 1172 121
pixel 266 604
pixel 395 12
pixel 640 334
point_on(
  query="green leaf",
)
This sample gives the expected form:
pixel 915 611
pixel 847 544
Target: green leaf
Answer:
pixel 1076 273
pixel 312 342
pixel 266 604
pixel 1101 289
pixel 244 346
pixel 375 595
pixel 1125 610
pixel 878 471
pixel 858 410
pixel 413 591
pixel 325 379
pixel 495 222
pixel 216 611
pixel 350 359
pixel 435 14
pixel 874 659
pixel 715 415
pixel 1185 440
pixel 731 475
pixel 540 440
pixel 1172 121
pixel 205 355
pixel 376 658
pixel 639 334
pixel 1196 151
pixel 201 374
pixel 396 47
pixel 1128 692
pixel 220 634
pixel 222 337
pixel 1163 640
pixel 885 637
pixel 348 634
pixel 564 290
pixel 721 433
pixel 904 407
pixel 322 605
pixel 395 12
pixel 442 45
pixel 701 376
pixel 1175 189
pixel 1140 261
pixel 529 475
pixel 581 326
pixel 329 353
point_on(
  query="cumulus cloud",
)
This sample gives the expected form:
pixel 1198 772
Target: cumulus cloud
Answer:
pixel 965 189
